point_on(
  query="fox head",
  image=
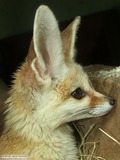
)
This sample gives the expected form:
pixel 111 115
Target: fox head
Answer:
pixel 50 89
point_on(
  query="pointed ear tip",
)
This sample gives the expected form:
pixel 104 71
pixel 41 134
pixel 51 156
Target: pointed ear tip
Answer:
pixel 78 19
pixel 42 8
pixel 76 22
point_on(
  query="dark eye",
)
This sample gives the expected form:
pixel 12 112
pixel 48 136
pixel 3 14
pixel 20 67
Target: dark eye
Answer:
pixel 78 93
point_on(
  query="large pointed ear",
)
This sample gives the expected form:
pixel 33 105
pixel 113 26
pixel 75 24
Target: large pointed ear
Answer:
pixel 68 39
pixel 48 59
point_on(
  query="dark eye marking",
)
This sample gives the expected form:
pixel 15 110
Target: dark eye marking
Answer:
pixel 78 93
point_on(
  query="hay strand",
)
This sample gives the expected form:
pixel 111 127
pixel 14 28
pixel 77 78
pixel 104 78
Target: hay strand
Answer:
pixel 109 136
pixel 86 154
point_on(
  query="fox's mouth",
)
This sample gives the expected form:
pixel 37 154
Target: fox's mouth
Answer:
pixel 100 111
pixel 93 114
pixel 97 111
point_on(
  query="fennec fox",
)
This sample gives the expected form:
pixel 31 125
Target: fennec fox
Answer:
pixel 49 91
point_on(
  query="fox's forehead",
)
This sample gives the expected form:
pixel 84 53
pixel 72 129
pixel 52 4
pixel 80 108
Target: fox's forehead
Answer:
pixel 76 77
pixel 80 78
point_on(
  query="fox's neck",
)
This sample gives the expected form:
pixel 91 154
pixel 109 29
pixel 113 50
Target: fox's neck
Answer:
pixel 23 126
pixel 22 122
pixel 21 118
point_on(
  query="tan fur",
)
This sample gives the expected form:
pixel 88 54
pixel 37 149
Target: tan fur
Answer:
pixel 40 104
pixel 68 36
pixel 95 99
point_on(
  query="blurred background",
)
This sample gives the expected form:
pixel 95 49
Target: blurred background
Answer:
pixel 98 39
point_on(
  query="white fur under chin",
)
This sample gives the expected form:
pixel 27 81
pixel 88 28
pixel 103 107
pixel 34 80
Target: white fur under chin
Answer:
pixel 100 110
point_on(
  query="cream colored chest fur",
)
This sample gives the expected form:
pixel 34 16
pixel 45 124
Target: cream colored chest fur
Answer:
pixel 59 146
pixel 62 148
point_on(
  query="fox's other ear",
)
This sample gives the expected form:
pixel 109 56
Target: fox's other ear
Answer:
pixel 68 38
pixel 48 58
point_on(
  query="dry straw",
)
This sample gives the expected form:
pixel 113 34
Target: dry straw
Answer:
pixel 85 153
pixel 115 140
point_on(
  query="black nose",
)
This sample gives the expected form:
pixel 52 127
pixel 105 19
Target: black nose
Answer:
pixel 112 101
